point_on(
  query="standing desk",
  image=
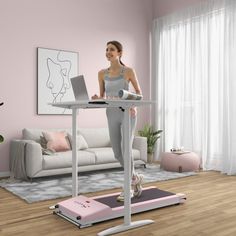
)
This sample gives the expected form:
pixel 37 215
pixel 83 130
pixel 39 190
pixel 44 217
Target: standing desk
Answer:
pixel 125 105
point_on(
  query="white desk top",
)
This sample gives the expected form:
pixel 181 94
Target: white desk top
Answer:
pixel 105 103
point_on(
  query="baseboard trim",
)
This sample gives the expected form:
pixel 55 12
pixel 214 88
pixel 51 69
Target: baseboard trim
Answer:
pixel 5 174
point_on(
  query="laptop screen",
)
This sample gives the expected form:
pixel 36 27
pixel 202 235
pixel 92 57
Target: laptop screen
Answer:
pixel 79 88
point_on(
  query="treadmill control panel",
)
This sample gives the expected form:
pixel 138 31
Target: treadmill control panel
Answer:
pixel 83 207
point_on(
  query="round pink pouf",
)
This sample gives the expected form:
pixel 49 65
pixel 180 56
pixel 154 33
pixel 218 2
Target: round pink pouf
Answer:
pixel 180 162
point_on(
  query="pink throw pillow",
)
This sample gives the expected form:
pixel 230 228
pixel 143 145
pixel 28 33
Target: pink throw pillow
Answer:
pixel 57 141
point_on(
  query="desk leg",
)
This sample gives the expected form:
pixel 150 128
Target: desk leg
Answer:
pixel 127 180
pixel 74 154
pixel 127 167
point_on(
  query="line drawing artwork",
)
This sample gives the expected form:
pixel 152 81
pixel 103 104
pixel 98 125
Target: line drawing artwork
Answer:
pixel 58 77
pixel 55 68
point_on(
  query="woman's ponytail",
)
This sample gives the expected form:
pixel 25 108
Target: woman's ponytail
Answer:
pixel 121 62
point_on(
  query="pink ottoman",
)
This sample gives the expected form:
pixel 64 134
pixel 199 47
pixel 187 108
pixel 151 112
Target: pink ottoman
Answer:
pixel 180 162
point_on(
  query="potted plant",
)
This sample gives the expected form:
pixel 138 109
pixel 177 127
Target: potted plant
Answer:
pixel 152 137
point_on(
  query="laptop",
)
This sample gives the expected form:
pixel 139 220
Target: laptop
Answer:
pixel 80 90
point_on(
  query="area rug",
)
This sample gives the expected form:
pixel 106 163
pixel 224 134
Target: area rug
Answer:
pixel 61 186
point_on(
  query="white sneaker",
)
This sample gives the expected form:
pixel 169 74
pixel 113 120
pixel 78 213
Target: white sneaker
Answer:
pixel 121 197
pixel 137 180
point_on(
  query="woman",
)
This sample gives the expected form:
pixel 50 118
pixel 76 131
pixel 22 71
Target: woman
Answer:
pixel 111 80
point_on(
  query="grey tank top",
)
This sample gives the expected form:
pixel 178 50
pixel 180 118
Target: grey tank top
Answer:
pixel 114 84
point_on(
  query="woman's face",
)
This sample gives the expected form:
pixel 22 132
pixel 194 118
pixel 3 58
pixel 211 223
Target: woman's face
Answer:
pixel 112 53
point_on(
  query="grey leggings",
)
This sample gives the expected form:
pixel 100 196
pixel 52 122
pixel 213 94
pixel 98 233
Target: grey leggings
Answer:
pixel 115 117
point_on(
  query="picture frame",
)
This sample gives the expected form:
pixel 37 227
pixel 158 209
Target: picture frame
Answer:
pixel 55 68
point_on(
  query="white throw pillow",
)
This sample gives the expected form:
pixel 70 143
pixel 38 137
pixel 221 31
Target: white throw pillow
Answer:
pixel 80 142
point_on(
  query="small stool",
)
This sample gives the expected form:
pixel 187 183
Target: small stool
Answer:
pixel 180 162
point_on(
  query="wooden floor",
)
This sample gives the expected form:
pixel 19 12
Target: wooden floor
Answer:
pixel 210 210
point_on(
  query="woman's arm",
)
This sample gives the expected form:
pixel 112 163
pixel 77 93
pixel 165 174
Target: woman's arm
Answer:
pixel 101 86
pixel 131 76
pixel 134 81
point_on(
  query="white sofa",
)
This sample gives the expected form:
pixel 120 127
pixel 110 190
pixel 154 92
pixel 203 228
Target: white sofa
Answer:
pixel 27 155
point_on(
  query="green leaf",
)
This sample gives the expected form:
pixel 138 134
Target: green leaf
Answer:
pixel 151 135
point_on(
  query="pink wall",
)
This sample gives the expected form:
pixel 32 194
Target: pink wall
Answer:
pixel 165 7
pixel 82 26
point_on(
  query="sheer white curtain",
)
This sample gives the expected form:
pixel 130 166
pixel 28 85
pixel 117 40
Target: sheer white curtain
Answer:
pixel 194 82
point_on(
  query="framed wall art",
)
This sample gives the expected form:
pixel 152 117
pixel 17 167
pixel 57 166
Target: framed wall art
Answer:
pixel 55 68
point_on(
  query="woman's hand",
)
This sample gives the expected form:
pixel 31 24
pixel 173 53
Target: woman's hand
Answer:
pixel 95 96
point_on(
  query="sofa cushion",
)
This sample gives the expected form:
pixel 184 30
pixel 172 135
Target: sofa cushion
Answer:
pixel 97 137
pixel 64 159
pixel 80 142
pixel 103 155
pixel 106 155
pixel 57 140
pixel 34 134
